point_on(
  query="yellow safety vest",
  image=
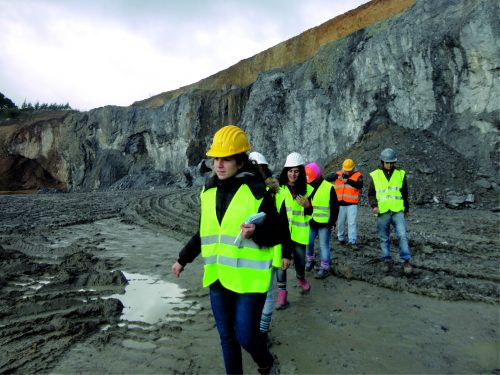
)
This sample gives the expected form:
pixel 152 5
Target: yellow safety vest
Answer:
pixel 298 222
pixel 388 193
pixel 245 268
pixel 278 250
pixel 321 202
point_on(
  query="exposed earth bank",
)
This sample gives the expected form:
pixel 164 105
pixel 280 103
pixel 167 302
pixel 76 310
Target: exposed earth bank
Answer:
pixel 63 255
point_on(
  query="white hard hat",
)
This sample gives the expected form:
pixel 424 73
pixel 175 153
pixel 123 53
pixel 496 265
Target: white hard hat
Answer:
pixel 294 160
pixel 258 158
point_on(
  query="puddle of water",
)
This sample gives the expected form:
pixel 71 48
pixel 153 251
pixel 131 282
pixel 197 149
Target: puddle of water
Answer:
pixel 146 299
pixel 132 344
pixel 150 300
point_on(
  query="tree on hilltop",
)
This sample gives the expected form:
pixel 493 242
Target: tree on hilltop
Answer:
pixel 6 103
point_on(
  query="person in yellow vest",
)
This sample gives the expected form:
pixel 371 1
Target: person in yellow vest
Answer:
pixel 324 216
pixel 238 256
pixel 295 192
pixel 282 254
pixel 348 185
pixel 388 198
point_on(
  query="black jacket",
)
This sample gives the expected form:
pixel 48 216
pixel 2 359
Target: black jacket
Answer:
pixel 271 232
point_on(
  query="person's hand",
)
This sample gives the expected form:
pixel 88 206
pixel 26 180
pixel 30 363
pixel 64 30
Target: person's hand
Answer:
pixel 407 214
pixel 375 210
pixel 247 230
pixel 303 201
pixel 285 263
pixel 177 268
pixel 332 229
pixel 272 184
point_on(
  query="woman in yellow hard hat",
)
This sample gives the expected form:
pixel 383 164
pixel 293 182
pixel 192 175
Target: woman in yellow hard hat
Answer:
pixel 238 272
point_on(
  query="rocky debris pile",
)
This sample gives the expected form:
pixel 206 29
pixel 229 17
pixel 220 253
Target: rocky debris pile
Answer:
pixel 437 175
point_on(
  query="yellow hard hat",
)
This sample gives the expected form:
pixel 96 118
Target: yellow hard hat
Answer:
pixel 229 140
pixel 348 165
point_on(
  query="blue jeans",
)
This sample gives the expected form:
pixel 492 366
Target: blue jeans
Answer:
pixel 267 311
pixel 299 259
pixel 237 316
pixel 349 214
pixel 397 219
pixel 323 235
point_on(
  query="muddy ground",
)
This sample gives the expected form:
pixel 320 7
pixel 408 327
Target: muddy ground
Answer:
pixel 67 306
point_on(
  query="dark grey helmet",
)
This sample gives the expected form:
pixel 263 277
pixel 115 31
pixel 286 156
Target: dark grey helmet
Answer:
pixel 388 155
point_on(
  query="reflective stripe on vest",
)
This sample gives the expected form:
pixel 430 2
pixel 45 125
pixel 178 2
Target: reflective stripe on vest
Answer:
pixel 245 268
pixel 298 222
pixel 346 192
pixel 388 193
pixel 321 202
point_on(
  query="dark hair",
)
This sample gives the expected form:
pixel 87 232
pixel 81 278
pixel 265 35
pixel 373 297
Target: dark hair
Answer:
pixel 300 185
pixel 242 159
pixel 262 169
pixel 248 165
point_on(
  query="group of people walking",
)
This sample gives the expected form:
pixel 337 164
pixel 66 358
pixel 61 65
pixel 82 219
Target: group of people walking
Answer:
pixel 252 225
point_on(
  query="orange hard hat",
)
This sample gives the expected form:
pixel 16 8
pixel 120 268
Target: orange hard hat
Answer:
pixel 312 172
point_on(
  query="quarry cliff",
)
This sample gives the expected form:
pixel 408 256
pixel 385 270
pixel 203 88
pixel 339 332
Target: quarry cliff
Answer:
pixel 421 66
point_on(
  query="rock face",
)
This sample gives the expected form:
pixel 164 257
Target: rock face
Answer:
pixel 433 68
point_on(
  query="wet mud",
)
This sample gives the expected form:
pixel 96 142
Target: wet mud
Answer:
pixel 86 287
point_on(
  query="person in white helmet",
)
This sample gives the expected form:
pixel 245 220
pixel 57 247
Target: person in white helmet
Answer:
pixel 263 168
pixel 282 252
pixel 388 198
pixel 295 192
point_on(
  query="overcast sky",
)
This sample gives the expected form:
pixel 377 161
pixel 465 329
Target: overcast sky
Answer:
pixel 92 53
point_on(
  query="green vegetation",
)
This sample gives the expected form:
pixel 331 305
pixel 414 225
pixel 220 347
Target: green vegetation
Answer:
pixel 9 110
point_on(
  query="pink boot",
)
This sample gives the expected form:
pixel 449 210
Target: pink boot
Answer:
pixel 304 284
pixel 282 302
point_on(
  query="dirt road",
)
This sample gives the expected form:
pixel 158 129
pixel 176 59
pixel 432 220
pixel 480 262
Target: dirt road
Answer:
pixel 86 287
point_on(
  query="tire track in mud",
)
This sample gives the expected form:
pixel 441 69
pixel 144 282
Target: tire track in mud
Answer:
pixel 48 306
pixel 455 256
pixel 175 210
pixel 449 263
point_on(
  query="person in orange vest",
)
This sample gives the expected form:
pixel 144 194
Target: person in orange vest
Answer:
pixel 237 243
pixel 348 185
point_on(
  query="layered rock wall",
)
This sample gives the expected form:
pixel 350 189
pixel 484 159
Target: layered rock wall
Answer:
pixel 434 67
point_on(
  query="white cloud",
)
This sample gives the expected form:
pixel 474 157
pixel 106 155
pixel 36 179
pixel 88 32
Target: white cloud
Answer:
pixel 92 53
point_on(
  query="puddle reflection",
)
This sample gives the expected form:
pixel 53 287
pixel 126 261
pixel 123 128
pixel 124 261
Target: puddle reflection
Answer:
pixel 151 300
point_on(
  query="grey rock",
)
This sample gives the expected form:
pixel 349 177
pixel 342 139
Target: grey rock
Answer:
pixel 434 68
pixel 483 183
pixel 470 198
pixel 454 201
pixel 425 170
